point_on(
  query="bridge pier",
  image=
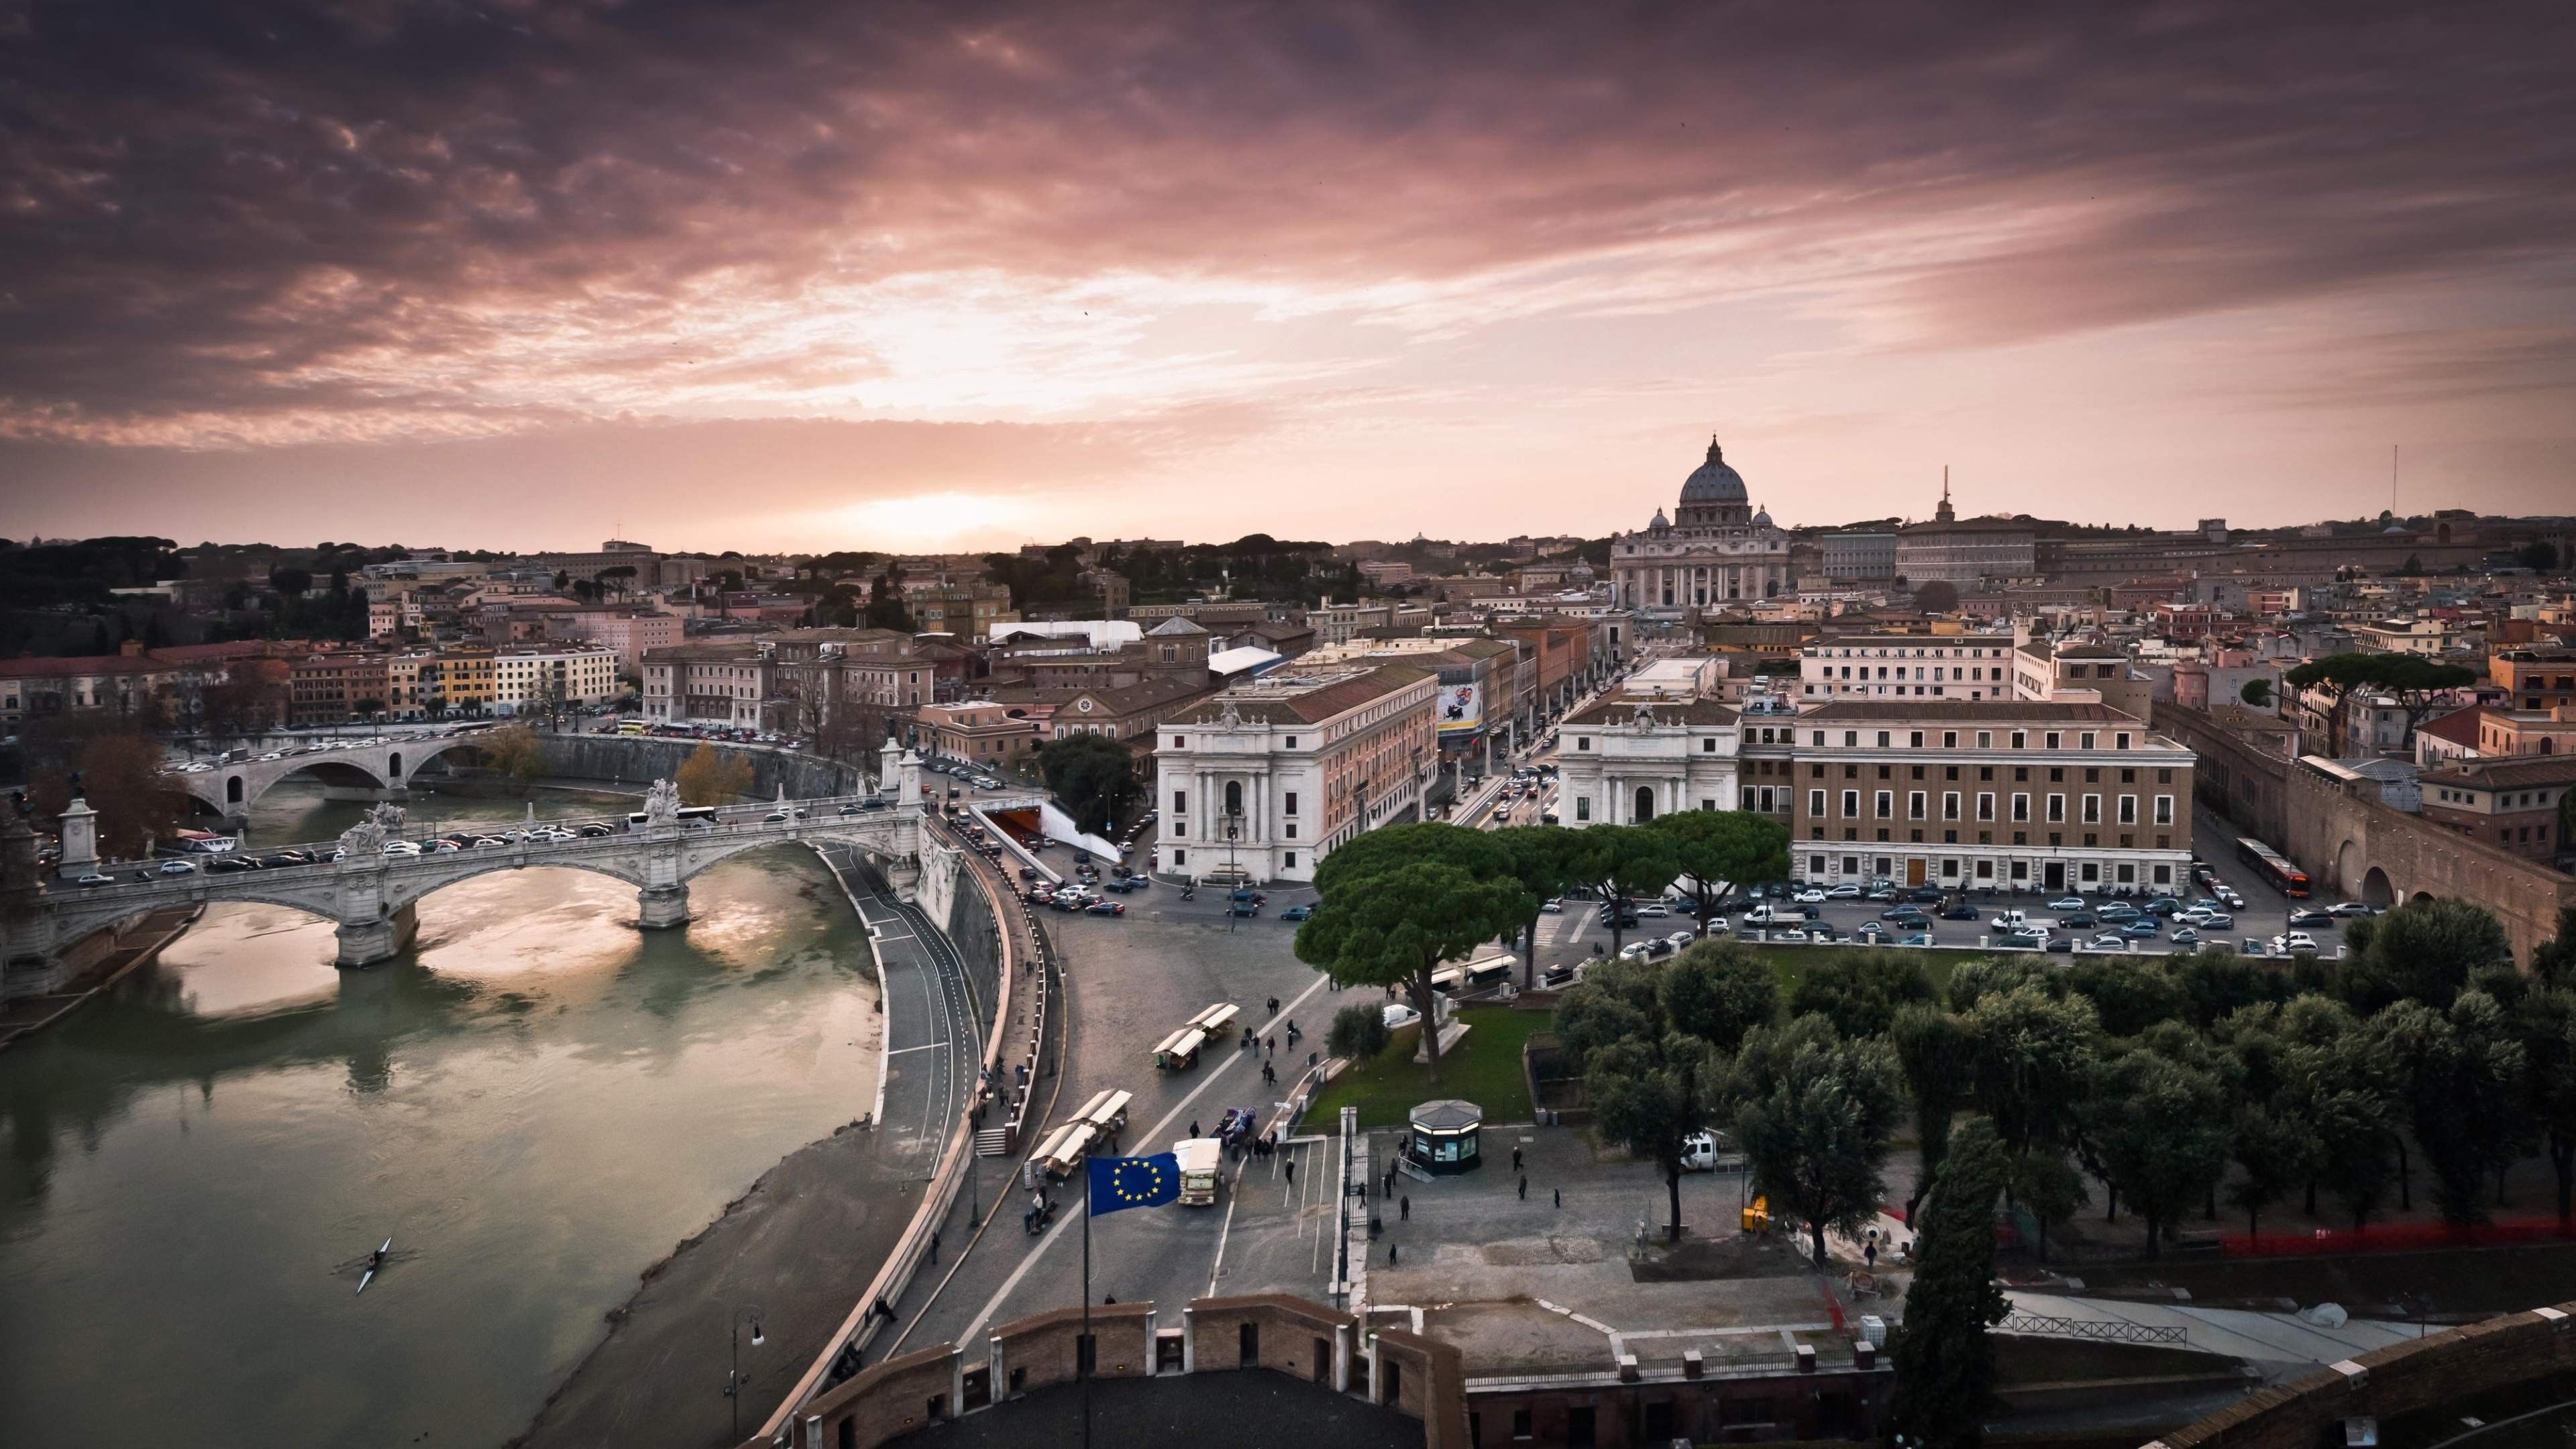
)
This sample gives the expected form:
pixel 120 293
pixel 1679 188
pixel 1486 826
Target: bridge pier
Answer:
pixel 659 908
pixel 364 943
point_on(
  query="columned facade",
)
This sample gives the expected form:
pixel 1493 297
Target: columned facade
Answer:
pixel 1716 549
pixel 1624 762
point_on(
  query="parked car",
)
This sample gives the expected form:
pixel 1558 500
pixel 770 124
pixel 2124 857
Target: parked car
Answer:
pixel 1847 891
pixel 2060 945
pixel 1919 938
pixel 1871 931
pixel 2143 930
pixel 2186 936
pixel 2290 942
pixel 2070 903
pixel 1104 908
pixel 2311 916
pixel 1296 912
pixel 1794 935
pixel 2118 911
pixel 2108 941
pixel 177 867
pixel 1680 940
pixel 1553 906
pixel 1810 896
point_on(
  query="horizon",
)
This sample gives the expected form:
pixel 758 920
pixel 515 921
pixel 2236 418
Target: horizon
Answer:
pixel 936 279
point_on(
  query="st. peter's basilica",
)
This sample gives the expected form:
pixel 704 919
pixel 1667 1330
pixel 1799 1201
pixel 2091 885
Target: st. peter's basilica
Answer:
pixel 1716 548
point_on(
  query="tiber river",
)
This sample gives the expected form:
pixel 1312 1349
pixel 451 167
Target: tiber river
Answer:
pixel 535 1103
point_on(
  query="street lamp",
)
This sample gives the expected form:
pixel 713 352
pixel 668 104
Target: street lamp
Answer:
pixel 749 1314
pixel 1233 831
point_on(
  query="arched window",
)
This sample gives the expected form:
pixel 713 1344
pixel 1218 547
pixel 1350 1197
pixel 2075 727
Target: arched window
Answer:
pixel 1645 804
pixel 1233 797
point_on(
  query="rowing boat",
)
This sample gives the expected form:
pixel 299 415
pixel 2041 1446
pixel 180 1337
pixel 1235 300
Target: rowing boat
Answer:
pixel 370 1275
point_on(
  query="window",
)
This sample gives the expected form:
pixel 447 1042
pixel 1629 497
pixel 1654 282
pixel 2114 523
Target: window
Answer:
pixel 2056 809
pixel 1851 802
pixel 2120 741
pixel 1708 747
pixel 1949 739
pixel 2052 739
pixel 1180 742
pixel 1288 803
pixel 2164 810
pixel 1917 739
pixel 2021 807
pixel 1985 739
pixel 1985 806
pixel 1882 739
pixel 1915 805
pixel 2084 740
pixel 1815 865
pixel 1815 802
pixel 1180 802
pixel 1180 857
pixel 1582 807
pixel 2092 809
pixel 1950 805
pixel 2128 809
pixel 1290 859
pixel 1819 737
pixel 1292 742
pixel 2019 739
pixel 1583 742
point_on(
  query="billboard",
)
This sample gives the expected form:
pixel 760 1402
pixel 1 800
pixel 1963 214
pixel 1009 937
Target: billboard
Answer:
pixel 1462 710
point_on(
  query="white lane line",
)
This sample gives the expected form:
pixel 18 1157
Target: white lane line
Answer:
pixel 925 1046
pixel 1234 1194
pixel 975 1328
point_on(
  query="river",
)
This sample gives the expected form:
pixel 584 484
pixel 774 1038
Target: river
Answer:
pixel 536 1102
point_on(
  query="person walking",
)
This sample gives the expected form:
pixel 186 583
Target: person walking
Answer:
pixel 1516 1159
pixel 1525 1189
pixel 1560 1196
pixel 1404 1208
pixel 1289 1168
pixel 1390 1255
pixel 1272 1044
pixel 1390 1183
pixel 934 1250
pixel 1869 1256
pixel 1194 1127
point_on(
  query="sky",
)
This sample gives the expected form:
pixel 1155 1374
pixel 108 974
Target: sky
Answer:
pixel 535 273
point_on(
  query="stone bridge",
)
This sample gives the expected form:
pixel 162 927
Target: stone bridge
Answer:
pixel 372 896
pixel 361 772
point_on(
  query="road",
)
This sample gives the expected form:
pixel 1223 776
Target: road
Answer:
pixel 1128 981
pixel 933 1040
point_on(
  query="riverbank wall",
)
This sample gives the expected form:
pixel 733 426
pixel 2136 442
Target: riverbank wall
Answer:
pixel 632 763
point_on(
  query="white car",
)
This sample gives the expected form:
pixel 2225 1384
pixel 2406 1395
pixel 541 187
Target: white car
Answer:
pixel 2351 908
pixel 1652 910
pixel 93 879
pixel 2071 903
pixel 1400 1014
pixel 1553 906
pixel 1847 891
pixel 1680 939
pixel 401 847
pixel 274 755
pixel 1811 897
pixel 1636 951
pixel 177 867
pixel 2293 942
pixel 1793 935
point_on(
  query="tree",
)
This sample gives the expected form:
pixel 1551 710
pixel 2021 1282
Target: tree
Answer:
pixel 2274 1153
pixel 122 778
pixel 2257 692
pixel 1479 853
pixel 2425 951
pixel 2048 1187
pixel 2034 1057
pixel 2129 993
pixel 1095 777
pixel 2415 682
pixel 1394 927
pixel 1815 1116
pixel 1620 861
pixel 1541 858
pixel 2539 556
pixel 1719 991
pixel 2543 1024
pixel 1649 1094
pixel 519 754
pixel 2160 1135
pixel 2458 1071
pixel 1936 1052
pixel 1358 1032
pixel 1937 596
pixel 1722 850
pixel 1860 993
pixel 1944 1362
pixel 710 777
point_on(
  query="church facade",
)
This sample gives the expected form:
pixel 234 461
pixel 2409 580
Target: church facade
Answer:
pixel 1716 549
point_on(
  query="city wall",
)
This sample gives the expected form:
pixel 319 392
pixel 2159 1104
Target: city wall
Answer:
pixel 626 760
pixel 2239 781
pixel 2427 1373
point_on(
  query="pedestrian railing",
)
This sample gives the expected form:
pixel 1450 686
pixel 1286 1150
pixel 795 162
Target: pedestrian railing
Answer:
pixel 2104 1330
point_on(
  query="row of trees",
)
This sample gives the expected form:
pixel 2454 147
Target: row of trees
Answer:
pixel 1397 902
pixel 2165 1079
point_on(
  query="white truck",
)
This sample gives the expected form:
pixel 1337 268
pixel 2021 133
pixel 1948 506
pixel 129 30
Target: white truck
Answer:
pixel 2014 921
pixel 1199 1158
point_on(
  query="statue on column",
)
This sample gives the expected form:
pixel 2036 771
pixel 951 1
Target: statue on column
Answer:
pixel 367 838
pixel 661 805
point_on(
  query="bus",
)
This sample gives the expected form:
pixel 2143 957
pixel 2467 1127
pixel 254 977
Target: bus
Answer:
pixel 691 817
pixel 1482 974
pixel 632 727
pixel 2282 876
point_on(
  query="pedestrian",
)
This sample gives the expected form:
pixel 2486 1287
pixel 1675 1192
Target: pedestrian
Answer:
pixel 1516 1159
pixel 1390 1255
pixel 934 1249
pixel 1869 1256
pixel 1404 1208
pixel 1272 1043
pixel 1194 1127
pixel 1290 1168
pixel 1525 1189
pixel 1274 1006
pixel 1390 1184
pixel 1560 1196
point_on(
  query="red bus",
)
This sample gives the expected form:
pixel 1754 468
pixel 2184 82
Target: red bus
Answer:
pixel 2278 873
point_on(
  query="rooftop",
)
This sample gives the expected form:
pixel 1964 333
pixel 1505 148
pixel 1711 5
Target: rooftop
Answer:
pixel 1999 710
pixel 2518 773
pixel 1306 698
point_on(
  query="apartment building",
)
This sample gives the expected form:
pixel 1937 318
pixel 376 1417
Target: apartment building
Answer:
pixel 984 732
pixel 2512 804
pixel 1994 793
pixel 541 678
pixel 713 681
pixel 2081 671
pixel 2542 678
pixel 1916 666
pixel 332 686
pixel 1262 781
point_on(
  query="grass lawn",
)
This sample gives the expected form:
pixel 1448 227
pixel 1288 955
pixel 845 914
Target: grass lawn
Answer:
pixel 1484 1069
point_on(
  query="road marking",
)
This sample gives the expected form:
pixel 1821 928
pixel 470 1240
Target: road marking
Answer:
pixel 1151 1134
pixel 925 1046
pixel 1216 1269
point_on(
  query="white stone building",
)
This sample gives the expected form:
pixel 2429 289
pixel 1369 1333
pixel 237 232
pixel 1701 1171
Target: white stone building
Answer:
pixel 1716 547
pixel 1924 666
pixel 1625 761
pixel 534 678
pixel 1263 780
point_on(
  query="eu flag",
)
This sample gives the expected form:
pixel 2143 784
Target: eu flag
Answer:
pixel 1120 1183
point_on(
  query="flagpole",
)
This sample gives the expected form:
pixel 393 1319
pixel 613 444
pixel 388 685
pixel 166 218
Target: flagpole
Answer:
pixel 1087 1352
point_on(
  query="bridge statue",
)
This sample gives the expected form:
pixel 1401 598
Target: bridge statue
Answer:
pixel 366 839
pixel 661 805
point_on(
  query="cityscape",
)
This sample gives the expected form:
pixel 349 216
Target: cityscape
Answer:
pixel 1350 725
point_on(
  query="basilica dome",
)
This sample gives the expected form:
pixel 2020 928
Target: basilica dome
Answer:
pixel 1714 482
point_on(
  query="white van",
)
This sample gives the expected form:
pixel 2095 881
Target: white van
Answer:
pixel 2011 921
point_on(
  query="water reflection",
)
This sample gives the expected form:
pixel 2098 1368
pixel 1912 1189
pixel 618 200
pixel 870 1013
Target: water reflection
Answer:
pixel 537 1100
